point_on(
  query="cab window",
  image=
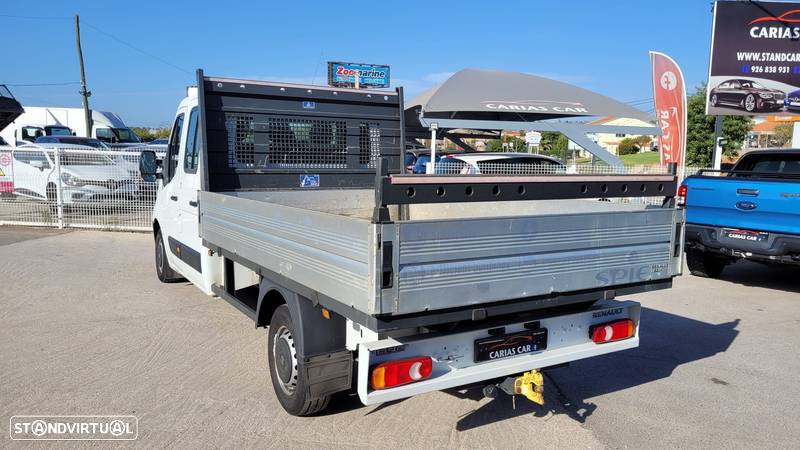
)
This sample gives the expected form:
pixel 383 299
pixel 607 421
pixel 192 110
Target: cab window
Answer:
pixel 104 134
pixel 173 149
pixel 192 144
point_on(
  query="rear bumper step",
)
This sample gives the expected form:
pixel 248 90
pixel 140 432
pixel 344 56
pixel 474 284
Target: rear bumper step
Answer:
pixel 453 354
pixel 779 247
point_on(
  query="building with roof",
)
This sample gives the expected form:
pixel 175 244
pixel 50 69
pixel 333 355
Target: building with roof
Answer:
pixel 610 141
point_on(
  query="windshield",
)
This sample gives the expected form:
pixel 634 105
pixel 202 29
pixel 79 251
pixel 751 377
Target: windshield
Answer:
pixel 59 131
pixel 125 135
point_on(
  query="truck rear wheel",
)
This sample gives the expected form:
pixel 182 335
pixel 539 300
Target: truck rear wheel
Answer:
pixel 163 270
pixel 286 372
pixel 702 264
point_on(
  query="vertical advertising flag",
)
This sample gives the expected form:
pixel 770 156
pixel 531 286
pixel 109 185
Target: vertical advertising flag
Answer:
pixel 669 94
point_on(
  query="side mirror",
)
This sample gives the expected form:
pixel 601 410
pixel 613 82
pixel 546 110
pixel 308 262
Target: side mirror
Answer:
pixel 148 166
pixel 38 164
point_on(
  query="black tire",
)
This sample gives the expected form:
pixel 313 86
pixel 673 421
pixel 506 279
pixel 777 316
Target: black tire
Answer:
pixel 163 270
pixel 704 265
pixel 288 379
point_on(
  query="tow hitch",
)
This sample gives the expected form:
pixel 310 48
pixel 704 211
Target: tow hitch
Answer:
pixel 530 384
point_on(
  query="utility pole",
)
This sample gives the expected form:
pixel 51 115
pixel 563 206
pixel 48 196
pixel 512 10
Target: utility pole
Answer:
pixel 87 114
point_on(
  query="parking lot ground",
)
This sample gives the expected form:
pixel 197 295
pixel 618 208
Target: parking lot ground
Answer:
pixel 86 328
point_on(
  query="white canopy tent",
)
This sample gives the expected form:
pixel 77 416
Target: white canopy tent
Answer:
pixel 491 101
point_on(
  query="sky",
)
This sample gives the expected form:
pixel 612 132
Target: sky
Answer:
pixel 140 56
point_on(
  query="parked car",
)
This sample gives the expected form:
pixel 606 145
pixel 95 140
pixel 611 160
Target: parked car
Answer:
pixel 490 163
pixel 84 177
pixel 792 101
pixel 158 142
pixel 128 160
pixel 751 212
pixel 747 95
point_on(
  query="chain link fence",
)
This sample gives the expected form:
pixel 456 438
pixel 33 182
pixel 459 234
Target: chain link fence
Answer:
pixel 63 186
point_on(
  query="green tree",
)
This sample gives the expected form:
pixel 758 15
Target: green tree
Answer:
pixel 627 146
pixel 783 135
pixel 553 144
pixel 642 141
pixel 513 144
pixel 145 134
pixel 700 133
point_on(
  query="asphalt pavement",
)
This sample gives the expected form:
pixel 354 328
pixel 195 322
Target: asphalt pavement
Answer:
pixel 86 328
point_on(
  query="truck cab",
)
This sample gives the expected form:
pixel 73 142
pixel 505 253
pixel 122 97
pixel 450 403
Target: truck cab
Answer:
pixel 176 223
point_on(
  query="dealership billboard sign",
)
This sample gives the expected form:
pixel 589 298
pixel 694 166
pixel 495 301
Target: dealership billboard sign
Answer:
pixel 357 75
pixel 755 59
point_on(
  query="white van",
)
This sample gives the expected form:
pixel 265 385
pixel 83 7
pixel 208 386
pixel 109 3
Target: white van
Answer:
pixel 47 121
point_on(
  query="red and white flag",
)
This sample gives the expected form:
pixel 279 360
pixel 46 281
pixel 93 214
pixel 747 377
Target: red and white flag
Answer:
pixel 669 93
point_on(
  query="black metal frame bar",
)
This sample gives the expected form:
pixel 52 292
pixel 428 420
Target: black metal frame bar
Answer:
pixel 418 189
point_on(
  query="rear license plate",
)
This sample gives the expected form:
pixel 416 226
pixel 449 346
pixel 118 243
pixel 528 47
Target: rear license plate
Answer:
pixel 745 235
pixel 498 347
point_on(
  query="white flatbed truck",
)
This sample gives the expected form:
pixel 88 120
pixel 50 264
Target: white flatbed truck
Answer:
pixel 291 203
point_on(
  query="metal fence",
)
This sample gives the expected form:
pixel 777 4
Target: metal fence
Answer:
pixel 74 187
pixel 77 187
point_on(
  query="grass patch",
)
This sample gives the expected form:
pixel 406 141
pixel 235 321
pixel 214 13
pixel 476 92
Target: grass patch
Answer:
pixel 640 158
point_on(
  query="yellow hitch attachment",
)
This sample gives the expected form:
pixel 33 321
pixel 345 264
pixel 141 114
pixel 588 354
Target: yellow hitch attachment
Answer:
pixel 531 385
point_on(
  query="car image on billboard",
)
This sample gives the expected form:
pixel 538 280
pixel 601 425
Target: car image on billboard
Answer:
pixel 747 95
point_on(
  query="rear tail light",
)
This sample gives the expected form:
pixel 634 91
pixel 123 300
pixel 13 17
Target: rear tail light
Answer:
pixel 612 331
pixel 680 199
pixel 403 371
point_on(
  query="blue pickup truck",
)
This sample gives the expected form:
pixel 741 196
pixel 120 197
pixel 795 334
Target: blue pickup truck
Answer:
pixel 749 212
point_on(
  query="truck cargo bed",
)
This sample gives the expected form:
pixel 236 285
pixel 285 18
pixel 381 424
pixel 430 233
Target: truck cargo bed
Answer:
pixel 443 256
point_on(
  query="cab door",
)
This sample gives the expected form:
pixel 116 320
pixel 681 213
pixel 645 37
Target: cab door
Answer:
pixel 192 250
pixel 166 207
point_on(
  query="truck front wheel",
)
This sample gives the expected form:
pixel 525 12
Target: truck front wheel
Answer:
pixel 287 374
pixel 702 264
pixel 163 270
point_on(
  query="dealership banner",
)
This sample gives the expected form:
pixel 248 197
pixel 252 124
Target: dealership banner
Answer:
pixel 755 59
pixel 669 94
pixel 344 74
